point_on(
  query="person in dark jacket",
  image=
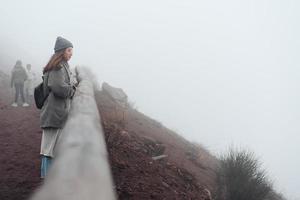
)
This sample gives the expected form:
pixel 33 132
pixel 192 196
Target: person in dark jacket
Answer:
pixel 54 113
pixel 18 77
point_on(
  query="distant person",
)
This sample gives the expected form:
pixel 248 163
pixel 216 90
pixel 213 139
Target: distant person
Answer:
pixel 59 85
pixel 18 77
pixel 29 84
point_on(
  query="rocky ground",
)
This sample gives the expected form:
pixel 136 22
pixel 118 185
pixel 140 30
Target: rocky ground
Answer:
pixel 148 160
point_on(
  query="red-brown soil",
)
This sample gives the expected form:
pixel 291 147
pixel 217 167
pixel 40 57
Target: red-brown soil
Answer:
pixel 132 140
pixel 20 138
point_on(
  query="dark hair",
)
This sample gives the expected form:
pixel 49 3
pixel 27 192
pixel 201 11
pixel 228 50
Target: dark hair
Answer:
pixel 54 61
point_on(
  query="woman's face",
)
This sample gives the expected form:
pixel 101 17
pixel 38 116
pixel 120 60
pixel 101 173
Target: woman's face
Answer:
pixel 68 53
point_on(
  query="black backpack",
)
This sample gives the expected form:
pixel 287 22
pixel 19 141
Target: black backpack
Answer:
pixel 39 94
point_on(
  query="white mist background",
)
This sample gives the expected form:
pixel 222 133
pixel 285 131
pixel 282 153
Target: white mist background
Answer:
pixel 218 72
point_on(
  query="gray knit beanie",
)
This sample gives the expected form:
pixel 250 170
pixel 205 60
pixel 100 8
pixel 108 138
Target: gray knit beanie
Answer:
pixel 62 43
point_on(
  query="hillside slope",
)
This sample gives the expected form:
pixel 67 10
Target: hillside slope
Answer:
pixel 148 160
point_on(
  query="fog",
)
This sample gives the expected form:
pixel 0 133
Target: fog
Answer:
pixel 219 73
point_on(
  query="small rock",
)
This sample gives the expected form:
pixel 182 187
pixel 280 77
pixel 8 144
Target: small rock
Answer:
pixel 165 184
pixel 125 133
pixel 159 157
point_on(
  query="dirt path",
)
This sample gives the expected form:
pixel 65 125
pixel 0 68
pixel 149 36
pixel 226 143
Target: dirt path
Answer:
pixel 19 150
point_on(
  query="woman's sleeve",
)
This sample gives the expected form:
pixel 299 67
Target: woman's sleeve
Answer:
pixel 57 84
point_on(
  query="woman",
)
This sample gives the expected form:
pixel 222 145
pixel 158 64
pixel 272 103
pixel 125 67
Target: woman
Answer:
pixel 59 85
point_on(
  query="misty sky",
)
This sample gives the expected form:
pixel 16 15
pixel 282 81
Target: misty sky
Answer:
pixel 219 73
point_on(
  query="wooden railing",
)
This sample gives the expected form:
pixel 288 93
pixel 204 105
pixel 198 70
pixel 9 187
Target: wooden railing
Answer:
pixel 80 170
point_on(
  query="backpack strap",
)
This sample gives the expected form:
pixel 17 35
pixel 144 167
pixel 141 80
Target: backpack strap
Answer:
pixel 46 88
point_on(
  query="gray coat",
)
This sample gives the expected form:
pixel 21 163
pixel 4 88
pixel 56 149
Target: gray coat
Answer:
pixel 18 75
pixel 57 82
